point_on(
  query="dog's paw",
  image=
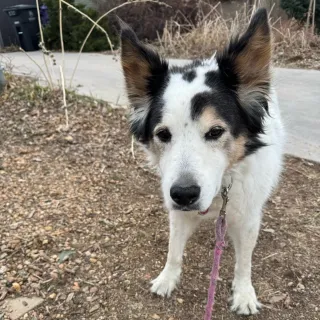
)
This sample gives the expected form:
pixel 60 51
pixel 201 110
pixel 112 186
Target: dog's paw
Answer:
pixel 166 282
pixel 244 300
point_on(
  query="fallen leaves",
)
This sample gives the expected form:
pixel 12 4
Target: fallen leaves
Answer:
pixel 89 229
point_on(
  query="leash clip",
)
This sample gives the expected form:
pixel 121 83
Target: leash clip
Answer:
pixel 225 198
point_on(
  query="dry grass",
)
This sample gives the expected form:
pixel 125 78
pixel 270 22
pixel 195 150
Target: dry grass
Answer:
pixel 294 44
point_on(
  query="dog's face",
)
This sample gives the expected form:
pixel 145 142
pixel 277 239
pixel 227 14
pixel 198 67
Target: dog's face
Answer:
pixel 199 120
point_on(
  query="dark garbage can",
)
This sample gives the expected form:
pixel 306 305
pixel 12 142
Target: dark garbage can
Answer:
pixel 25 21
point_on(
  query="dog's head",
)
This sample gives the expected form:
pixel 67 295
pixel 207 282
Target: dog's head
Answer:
pixel 199 120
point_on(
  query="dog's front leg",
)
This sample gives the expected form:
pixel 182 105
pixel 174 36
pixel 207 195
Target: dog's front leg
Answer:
pixel 182 225
pixel 244 230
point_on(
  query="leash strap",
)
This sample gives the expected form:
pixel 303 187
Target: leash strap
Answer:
pixel 221 228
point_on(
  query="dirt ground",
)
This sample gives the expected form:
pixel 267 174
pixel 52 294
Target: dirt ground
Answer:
pixel 82 224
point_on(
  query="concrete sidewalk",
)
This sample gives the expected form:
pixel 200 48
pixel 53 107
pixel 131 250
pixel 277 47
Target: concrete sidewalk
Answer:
pixel 100 76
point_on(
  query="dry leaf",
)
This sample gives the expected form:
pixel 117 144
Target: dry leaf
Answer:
pixel 94 308
pixel 16 286
pixel 65 255
pixel 70 297
pixel 278 298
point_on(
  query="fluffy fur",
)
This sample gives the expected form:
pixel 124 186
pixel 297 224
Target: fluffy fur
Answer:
pixel 200 123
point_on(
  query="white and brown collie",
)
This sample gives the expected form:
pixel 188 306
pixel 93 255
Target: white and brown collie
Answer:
pixel 199 123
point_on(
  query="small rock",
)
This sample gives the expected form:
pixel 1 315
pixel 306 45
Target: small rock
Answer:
pixel 3 255
pixel 3 269
pixel 68 139
pixel 287 302
pixel 62 296
pixel 93 260
pixel 93 290
pixel 180 300
pixel 52 296
pixel 155 316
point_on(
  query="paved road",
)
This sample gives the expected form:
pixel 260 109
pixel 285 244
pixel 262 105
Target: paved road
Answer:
pixel 100 76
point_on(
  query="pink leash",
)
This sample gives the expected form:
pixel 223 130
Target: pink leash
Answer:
pixel 221 227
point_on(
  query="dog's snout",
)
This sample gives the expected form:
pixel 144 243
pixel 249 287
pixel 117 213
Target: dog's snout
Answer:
pixel 185 196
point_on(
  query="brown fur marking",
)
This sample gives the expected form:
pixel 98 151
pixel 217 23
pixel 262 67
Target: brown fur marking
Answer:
pixel 237 152
pixel 253 63
pixel 210 118
pixel 136 71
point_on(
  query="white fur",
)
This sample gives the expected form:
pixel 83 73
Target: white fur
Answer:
pixel 253 181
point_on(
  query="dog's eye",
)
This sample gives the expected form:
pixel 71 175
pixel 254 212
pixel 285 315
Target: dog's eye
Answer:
pixel 164 135
pixel 214 133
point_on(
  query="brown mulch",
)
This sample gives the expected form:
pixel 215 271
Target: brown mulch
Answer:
pixel 83 225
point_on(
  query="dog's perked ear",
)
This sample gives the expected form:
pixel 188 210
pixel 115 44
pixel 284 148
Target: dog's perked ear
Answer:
pixel 245 67
pixel 145 76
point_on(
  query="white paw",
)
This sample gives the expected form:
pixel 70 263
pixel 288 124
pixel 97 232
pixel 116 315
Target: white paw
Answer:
pixel 244 299
pixel 166 281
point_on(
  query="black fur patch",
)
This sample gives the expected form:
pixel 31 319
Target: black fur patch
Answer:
pixel 189 75
pixel 186 68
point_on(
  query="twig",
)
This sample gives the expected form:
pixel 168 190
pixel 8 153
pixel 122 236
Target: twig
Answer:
pixel 86 282
pixel 308 16
pixel 313 16
pixel 269 256
pixel 42 41
pixel 31 266
pixel 36 276
pixel 61 34
pixel 132 147
pixel 36 63
pixel 64 97
pixel 97 21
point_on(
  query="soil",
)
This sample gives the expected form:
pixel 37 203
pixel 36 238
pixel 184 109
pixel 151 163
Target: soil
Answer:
pixel 83 225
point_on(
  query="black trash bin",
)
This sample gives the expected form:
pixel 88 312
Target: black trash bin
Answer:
pixel 25 20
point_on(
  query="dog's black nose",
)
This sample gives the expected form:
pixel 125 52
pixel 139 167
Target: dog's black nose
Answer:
pixel 185 196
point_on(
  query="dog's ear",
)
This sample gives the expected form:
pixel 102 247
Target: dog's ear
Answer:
pixel 145 73
pixel 245 67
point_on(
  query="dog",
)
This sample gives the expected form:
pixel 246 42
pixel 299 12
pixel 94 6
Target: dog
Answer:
pixel 200 123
